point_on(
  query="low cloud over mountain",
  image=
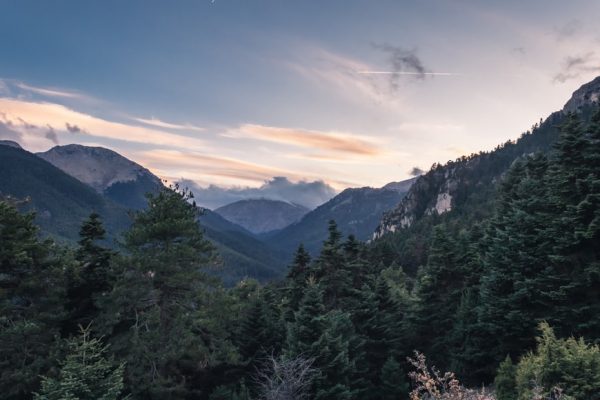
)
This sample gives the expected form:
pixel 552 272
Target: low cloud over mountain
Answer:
pixel 308 194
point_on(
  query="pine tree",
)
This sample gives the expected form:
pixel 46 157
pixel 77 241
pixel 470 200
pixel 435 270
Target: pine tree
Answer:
pixel 297 277
pixel 505 382
pixel 334 359
pixel 31 302
pixel 438 295
pixel 331 269
pixel 91 277
pixel 393 381
pixel 309 324
pixel 85 374
pixel 517 268
pixel 153 308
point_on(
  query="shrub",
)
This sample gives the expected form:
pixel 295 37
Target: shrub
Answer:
pixel 569 368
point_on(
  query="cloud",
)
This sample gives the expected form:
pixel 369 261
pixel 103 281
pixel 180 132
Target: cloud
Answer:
pixel 340 74
pixel 568 30
pixel 73 128
pixel 416 171
pixel 56 115
pixel 402 62
pixel 308 194
pixel 339 142
pixel 168 125
pixel 7 131
pixel 51 135
pixel 574 66
pixel 196 165
pixel 51 92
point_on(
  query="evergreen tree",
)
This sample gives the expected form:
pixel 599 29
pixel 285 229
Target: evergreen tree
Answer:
pixel 85 374
pixel 505 382
pixel 393 381
pixel 154 304
pixel 571 365
pixel 438 295
pixel 516 266
pixel 31 302
pixel 297 277
pixel 309 324
pixel 91 276
pixel 331 270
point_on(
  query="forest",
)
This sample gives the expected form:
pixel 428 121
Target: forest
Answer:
pixel 508 304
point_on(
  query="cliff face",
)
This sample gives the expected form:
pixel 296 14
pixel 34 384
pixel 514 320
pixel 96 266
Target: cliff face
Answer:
pixel 584 96
pixel 466 183
pixel 432 193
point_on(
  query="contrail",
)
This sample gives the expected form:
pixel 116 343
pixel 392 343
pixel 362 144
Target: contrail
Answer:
pixel 408 73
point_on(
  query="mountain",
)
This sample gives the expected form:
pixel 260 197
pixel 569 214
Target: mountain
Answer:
pixel 587 94
pixel 10 143
pixel 464 190
pixel 108 172
pixel 262 215
pixel 356 211
pixel 242 254
pixel 61 201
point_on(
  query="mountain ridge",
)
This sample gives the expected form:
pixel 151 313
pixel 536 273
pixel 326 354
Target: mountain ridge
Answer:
pixel 262 215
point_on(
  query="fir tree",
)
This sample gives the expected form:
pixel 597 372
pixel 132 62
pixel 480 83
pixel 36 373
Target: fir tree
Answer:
pixel 31 302
pixel 438 295
pixel 331 270
pixel 393 382
pixel 153 306
pixel 505 382
pixel 85 374
pixel 91 277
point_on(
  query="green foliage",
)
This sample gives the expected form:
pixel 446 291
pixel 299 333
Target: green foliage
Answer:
pixel 151 315
pixel 393 382
pixel 85 374
pixel 31 302
pixel 505 382
pixel 90 277
pixel 569 364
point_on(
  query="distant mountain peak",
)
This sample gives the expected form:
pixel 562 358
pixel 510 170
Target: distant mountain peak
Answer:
pixel 262 215
pixel 97 166
pixel 587 94
pixel 10 143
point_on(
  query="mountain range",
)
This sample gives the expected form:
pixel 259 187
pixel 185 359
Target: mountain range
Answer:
pixel 262 215
pixel 257 237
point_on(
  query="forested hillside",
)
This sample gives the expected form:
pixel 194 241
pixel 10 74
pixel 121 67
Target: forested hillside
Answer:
pixel 340 325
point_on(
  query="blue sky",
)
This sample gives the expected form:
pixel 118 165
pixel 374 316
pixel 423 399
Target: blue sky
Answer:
pixel 354 93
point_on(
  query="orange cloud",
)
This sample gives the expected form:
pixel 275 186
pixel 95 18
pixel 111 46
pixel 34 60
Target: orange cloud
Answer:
pixel 197 165
pixel 60 117
pixel 329 141
pixel 169 125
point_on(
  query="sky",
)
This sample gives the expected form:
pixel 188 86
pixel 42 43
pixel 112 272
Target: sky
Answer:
pixel 232 94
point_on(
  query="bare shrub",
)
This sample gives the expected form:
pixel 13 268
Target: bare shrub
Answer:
pixel 285 379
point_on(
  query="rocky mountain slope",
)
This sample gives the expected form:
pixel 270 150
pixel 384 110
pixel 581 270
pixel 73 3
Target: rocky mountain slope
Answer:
pixel 356 211
pixel 464 189
pixel 108 172
pixel 465 182
pixel 262 215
